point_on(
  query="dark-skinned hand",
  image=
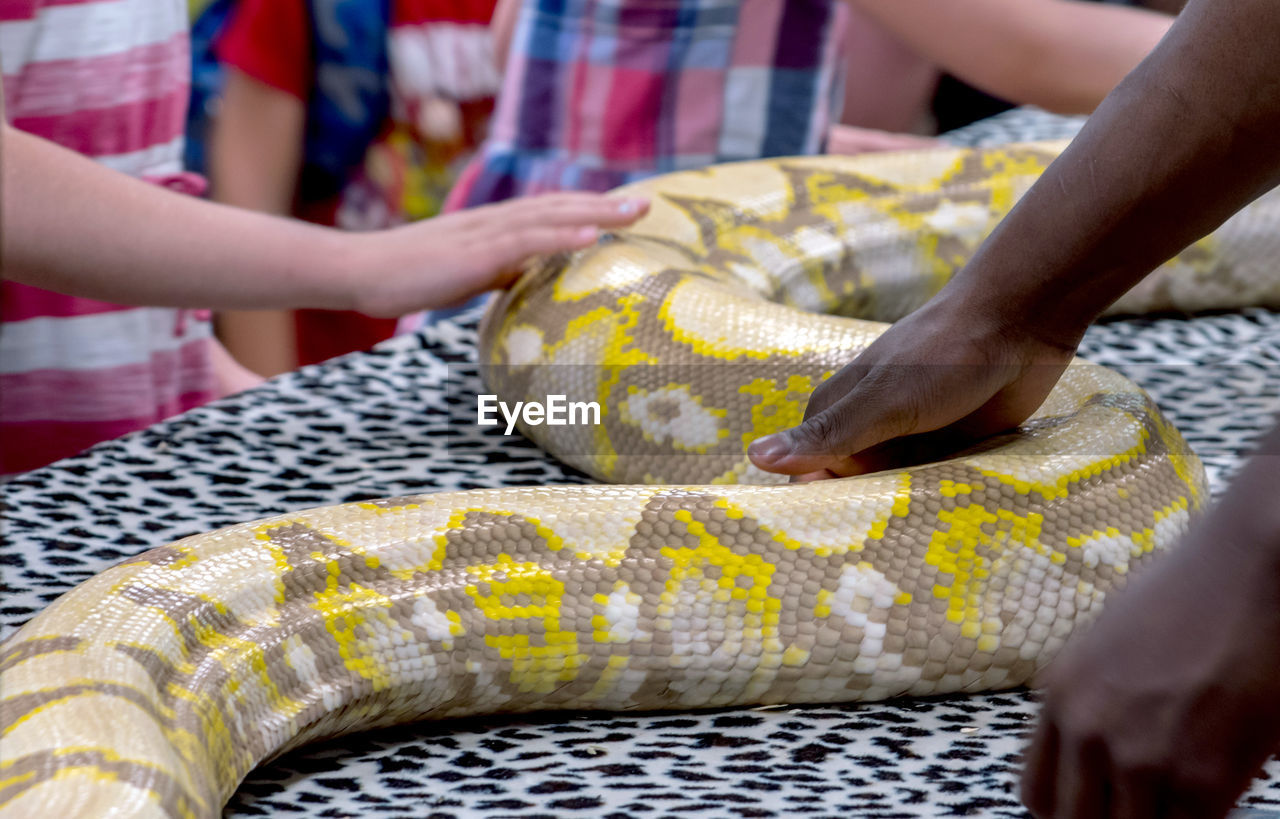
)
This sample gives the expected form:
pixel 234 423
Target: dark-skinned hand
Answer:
pixel 1170 704
pixel 945 375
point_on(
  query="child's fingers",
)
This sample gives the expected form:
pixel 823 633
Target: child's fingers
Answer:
pixel 502 259
pixel 510 249
pixel 567 210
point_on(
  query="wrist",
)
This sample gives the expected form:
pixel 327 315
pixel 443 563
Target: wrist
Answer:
pixel 333 261
pixel 368 268
pixel 1009 318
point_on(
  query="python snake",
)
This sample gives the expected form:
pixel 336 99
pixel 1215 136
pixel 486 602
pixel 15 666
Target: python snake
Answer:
pixel 154 687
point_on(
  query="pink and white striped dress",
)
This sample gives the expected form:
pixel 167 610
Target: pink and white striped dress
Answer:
pixel 109 79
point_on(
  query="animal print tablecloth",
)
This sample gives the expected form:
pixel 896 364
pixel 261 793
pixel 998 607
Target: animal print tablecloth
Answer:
pixel 401 420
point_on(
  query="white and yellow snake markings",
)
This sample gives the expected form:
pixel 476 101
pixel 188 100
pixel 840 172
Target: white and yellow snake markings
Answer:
pixel 155 687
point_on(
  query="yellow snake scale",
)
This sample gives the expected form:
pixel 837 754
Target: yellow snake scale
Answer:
pixel 153 688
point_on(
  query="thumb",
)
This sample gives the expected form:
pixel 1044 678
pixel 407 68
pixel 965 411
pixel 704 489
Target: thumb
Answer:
pixel 828 440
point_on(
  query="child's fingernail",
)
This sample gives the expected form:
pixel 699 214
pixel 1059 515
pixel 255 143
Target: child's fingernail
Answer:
pixel 587 234
pixel 629 206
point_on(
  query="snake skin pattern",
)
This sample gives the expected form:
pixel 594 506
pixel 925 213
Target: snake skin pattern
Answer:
pixel 156 686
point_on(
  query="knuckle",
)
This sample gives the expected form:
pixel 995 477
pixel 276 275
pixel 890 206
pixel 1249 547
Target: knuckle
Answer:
pixel 894 390
pixel 1081 723
pixel 826 394
pixel 507 246
pixel 844 382
pixel 816 433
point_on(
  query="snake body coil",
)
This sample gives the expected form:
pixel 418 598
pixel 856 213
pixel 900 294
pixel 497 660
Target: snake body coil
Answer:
pixel 153 688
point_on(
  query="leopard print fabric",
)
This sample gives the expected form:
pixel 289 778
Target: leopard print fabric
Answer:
pixel 302 441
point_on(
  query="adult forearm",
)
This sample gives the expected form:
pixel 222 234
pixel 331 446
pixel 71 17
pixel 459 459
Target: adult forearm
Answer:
pixel 136 243
pixel 1183 143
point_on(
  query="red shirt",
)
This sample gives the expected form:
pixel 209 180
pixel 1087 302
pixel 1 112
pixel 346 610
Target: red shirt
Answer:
pixel 443 83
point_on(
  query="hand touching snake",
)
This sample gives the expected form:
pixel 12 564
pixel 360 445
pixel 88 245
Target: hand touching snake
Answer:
pixel 1168 707
pixel 153 688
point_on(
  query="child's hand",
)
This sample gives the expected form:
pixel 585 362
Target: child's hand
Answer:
pixel 446 260
pixel 846 139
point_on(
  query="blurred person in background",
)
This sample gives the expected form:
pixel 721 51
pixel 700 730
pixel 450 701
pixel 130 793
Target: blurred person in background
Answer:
pixel 911 94
pixel 80 361
pixel 599 93
pixel 428 77
pixel 109 81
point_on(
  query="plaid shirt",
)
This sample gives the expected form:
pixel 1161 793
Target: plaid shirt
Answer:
pixel 599 93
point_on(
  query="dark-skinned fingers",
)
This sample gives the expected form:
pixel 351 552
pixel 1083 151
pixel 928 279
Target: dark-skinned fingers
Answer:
pixel 905 450
pixel 1176 805
pixel 837 386
pixel 1135 794
pixel 810 477
pixel 1083 785
pixel 921 448
pixel 818 444
pixel 1040 769
pixel 865 416
pixel 899 453
pixel 1178 777
pixel 1204 789
pixel 1013 405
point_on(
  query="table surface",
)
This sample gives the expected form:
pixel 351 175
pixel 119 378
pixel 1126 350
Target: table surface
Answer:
pixel 400 420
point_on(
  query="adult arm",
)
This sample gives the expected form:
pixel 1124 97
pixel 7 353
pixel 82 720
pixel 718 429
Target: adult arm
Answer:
pixel 86 230
pixel 1062 55
pixel 1170 704
pixel 1181 144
